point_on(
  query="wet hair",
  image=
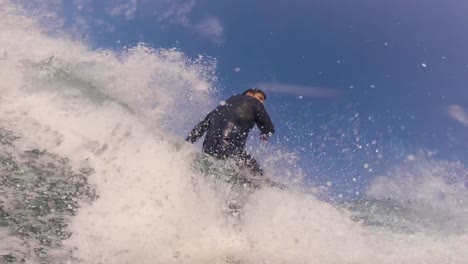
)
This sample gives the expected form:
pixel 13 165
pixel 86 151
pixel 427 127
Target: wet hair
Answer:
pixel 255 91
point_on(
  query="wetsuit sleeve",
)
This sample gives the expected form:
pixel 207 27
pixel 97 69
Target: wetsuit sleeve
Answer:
pixel 263 121
pixel 200 129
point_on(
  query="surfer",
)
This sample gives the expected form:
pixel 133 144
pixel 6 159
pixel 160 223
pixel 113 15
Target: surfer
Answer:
pixel 228 125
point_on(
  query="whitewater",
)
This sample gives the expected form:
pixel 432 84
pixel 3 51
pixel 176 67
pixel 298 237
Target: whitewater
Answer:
pixel 94 170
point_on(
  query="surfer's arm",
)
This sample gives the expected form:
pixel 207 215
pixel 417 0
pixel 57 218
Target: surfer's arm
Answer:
pixel 263 121
pixel 200 129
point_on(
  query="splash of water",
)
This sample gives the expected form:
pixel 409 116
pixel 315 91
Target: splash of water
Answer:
pixel 110 112
pixel 433 192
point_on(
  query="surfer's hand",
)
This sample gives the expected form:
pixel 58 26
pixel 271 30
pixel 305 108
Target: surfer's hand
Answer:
pixel 263 137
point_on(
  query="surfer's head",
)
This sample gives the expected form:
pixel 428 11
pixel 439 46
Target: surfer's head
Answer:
pixel 256 93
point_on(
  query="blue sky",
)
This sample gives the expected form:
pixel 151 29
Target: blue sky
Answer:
pixel 353 82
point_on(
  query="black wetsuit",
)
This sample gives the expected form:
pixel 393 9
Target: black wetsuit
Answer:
pixel 227 128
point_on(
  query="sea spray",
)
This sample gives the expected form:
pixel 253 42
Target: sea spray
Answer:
pixel 121 116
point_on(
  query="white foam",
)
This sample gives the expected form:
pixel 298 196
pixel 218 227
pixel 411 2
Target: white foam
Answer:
pixel 110 110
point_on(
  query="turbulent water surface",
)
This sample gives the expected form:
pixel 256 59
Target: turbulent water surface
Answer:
pixel 93 172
